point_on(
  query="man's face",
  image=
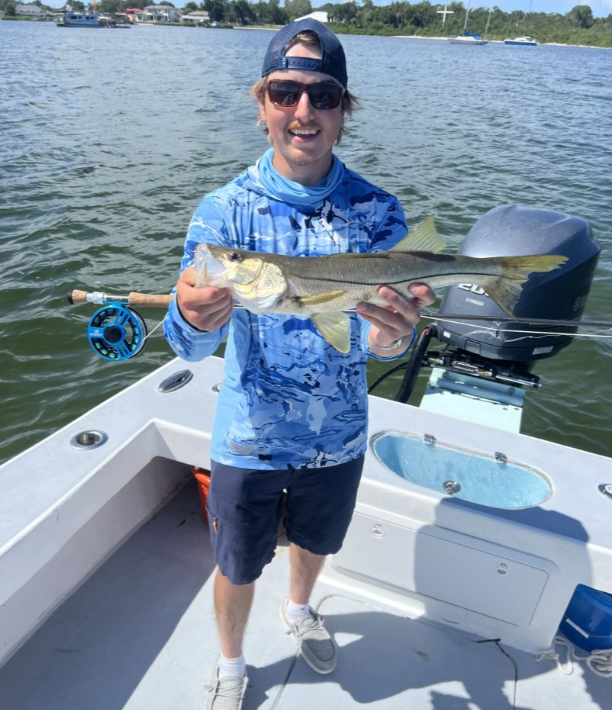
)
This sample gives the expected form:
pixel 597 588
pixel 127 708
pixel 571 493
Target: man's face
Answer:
pixel 303 137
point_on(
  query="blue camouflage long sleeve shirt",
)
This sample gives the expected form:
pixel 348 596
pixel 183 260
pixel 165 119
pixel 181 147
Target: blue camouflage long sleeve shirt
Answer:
pixel 288 397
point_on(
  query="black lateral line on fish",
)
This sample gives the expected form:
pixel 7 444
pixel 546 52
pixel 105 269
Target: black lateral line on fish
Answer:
pixel 330 279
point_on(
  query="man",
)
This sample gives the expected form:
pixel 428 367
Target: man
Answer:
pixel 292 412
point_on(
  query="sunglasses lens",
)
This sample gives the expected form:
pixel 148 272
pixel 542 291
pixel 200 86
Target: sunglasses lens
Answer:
pixel 284 93
pixel 324 95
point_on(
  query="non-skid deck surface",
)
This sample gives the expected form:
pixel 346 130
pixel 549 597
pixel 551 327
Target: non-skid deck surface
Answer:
pixel 140 635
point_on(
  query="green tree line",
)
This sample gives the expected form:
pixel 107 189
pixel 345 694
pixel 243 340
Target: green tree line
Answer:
pixel 578 26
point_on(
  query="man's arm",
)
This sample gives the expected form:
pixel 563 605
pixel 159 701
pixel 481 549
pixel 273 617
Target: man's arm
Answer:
pixel 391 330
pixel 197 319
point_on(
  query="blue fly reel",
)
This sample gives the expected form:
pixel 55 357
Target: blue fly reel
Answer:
pixel 117 332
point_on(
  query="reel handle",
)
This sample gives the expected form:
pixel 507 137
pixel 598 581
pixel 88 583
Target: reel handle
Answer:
pixel 133 299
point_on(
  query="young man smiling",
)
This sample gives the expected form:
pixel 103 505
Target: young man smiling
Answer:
pixel 292 411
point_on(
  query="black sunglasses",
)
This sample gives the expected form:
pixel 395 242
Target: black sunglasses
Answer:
pixel 323 95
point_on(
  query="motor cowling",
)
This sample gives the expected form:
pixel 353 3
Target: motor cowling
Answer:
pixel 520 230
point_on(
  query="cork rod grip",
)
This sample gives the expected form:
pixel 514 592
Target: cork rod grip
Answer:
pixel 137 300
pixel 145 300
pixel 77 297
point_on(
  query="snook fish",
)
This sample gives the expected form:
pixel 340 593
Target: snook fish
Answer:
pixel 321 287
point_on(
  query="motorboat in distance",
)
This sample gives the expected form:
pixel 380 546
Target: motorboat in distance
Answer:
pixel 527 41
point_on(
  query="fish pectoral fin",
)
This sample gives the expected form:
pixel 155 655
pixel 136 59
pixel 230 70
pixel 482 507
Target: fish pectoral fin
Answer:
pixel 319 298
pixel 335 328
pixel 424 238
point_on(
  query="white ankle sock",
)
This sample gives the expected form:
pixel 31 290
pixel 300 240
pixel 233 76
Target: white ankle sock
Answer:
pixel 296 611
pixel 231 666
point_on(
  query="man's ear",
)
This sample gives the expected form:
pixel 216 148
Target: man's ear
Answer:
pixel 262 110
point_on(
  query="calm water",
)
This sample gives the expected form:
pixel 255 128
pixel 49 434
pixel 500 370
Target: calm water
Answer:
pixel 109 139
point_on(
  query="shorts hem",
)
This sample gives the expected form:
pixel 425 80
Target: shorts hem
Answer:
pixel 309 548
pixel 250 578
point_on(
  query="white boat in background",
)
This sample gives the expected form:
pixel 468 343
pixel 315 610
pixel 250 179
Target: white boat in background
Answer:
pixel 71 18
pixel 76 18
pixel 466 37
pixel 463 558
pixel 526 41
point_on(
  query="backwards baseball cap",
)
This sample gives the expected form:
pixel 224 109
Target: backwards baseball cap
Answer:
pixel 332 62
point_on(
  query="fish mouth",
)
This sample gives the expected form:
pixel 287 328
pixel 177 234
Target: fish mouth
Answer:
pixel 209 271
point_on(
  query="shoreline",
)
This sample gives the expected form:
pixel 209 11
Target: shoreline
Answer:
pixel 273 28
pixel 268 28
pixel 500 41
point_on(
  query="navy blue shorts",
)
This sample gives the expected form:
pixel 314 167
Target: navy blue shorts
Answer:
pixel 245 507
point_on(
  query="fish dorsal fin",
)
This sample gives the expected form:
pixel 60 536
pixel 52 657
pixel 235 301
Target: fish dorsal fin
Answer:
pixel 319 298
pixel 335 328
pixel 424 238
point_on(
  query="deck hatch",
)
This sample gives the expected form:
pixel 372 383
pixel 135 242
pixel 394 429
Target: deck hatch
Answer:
pixel 491 480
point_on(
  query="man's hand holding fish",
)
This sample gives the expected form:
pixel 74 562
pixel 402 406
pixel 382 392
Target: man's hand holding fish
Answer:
pixel 206 309
pixel 391 324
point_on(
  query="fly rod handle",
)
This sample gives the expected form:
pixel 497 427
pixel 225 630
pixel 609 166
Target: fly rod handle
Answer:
pixel 137 300
pixel 145 300
pixel 77 297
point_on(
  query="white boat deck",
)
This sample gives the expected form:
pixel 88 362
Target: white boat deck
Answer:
pixel 98 611
pixel 139 635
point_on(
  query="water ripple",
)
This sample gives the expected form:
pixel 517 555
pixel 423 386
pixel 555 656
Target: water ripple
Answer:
pixel 101 167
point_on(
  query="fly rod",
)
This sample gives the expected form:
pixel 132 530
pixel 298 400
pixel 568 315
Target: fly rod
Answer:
pixel 146 300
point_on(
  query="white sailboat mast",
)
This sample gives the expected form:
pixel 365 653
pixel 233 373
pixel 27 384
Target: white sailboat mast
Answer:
pixel 488 22
pixel 467 12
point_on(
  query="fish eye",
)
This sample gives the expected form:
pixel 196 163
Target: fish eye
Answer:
pixel 234 257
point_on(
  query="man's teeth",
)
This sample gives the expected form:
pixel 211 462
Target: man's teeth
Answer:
pixel 304 131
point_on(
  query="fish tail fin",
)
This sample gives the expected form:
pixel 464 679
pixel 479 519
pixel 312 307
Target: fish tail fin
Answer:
pixel 506 288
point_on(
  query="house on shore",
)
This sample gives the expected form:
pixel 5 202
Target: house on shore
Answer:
pixel 200 17
pixel 132 13
pixel 159 13
pixel 29 11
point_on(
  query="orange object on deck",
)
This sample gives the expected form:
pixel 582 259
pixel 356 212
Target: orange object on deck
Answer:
pixel 203 480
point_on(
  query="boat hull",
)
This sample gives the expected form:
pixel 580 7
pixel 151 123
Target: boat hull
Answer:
pixel 74 19
pixel 525 42
pixel 468 40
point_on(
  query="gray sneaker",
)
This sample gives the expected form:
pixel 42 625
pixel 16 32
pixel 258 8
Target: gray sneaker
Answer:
pixel 227 693
pixel 317 646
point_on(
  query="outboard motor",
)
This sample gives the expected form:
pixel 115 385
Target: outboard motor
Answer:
pixel 482 376
pixel 517 230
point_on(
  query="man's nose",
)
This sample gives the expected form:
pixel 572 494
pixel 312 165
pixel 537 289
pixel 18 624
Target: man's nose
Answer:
pixel 304 110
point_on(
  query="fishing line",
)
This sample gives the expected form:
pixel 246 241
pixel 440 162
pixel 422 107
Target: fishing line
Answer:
pixel 150 333
pixel 525 319
pixel 498 331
